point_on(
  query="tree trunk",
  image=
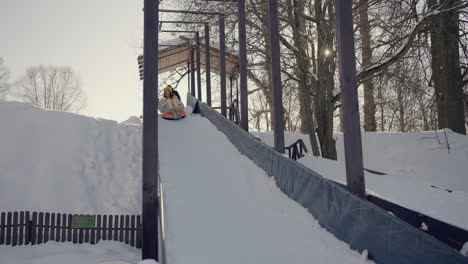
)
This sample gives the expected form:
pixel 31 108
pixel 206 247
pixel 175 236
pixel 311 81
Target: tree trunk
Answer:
pixel 366 50
pixel 323 100
pixel 448 81
pixel 266 39
pixel 401 109
pixel 303 75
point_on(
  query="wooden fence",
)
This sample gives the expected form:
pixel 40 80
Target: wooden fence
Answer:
pixel 24 228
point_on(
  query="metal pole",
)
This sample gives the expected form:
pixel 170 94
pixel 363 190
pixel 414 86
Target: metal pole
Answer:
pixel 222 56
pixel 352 128
pixel 188 77
pixel 230 89
pixel 150 132
pixel 237 90
pixel 197 40
pixel 243 66
pixel 192 71
pixel 208 64
pixel 276 77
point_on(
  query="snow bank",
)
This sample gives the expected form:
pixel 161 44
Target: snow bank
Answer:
pixel 422 157
pixel 64 163
pixel 105 252
pixel 411 191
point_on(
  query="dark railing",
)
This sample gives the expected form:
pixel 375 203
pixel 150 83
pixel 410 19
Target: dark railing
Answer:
pixel 449 234
pixel 25 228
pixel 296 150
pixel 234 112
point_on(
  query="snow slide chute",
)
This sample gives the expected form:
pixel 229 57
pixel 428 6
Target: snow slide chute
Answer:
pixel 359 223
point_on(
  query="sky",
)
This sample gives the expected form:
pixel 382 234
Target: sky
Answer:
pixel 99 39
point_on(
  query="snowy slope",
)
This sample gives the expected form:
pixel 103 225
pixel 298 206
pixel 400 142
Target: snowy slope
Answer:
pixel 221 208
pixel 411 191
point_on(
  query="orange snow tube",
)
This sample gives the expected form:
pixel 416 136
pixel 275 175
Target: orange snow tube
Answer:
pixel 171 116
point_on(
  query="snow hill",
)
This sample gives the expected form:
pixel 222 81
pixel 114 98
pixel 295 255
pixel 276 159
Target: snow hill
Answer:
pixel 220 207
pixel 64 163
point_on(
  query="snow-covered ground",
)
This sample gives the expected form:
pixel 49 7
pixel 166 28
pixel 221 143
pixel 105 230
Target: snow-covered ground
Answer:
pixel 221 208
pixel 424 157
pixel 105 252
pixel 414 162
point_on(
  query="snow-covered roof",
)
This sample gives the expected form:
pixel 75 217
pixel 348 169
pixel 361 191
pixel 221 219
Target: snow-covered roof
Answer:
pixel 175 53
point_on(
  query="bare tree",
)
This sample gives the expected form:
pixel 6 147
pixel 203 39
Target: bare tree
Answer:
pixel 4 77
pixel 448 79
pixel 52 87
pixel 366 53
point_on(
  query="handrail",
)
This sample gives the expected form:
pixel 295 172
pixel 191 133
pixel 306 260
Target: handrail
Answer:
pixel 296 150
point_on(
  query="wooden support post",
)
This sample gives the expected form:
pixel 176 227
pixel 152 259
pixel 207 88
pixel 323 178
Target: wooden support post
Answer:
pixel 197 43
pixel 243 66
pixel 208 64
pixel 352 128
pixel 222 56
pixel 192 71
pixel 150 132
pixel 278 114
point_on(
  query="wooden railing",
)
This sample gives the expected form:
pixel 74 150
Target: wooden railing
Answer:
pixel 25 228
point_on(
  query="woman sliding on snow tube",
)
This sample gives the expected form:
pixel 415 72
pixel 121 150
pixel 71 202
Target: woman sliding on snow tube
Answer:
pixel 170 105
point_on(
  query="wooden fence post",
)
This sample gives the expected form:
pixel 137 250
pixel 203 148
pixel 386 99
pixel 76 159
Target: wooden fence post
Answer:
pixel 109 234
pixel 21 228
pixel 121 233
pixel 104 227
pixel 138 232
pixel 46 227
pixel 69 228
pixel 64 229
pixel 14 241
pixel 27 228
pixel 98 229
pixel 116 227
pixel 34 229
pixel 58 227
pixel 132 233
pixel 127 228
pixel 2 228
